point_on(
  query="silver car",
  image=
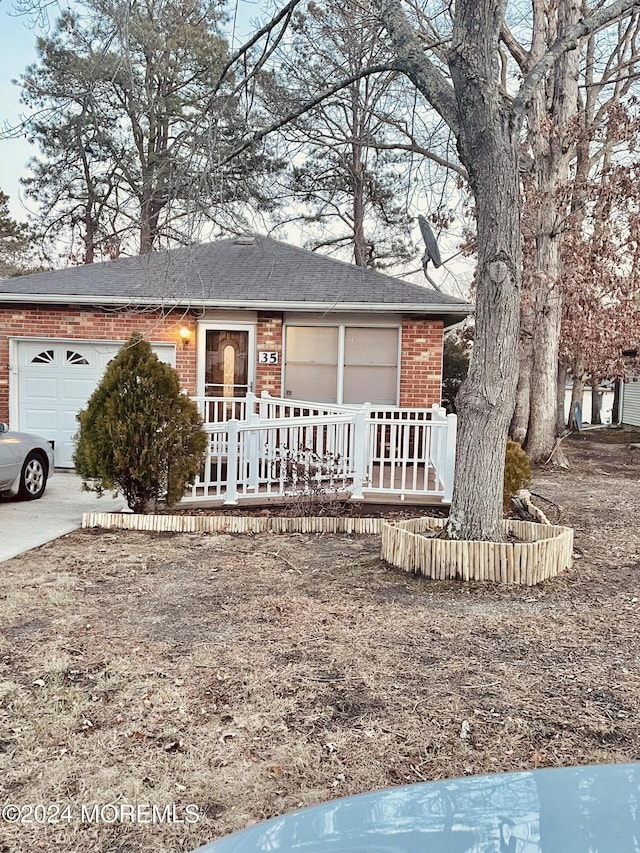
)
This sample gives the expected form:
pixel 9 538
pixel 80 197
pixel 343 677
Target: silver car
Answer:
pixel 26 463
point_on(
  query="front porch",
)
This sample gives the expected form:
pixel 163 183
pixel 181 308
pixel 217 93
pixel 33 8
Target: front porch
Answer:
pixel 271 450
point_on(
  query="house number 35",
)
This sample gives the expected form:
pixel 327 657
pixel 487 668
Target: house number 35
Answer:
pixel 267 358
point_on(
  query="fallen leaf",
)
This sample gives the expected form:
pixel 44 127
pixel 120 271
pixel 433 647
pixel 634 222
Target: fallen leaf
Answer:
pixel 538 758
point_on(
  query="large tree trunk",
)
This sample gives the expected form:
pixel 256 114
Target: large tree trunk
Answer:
pixel 520 419
pixel 615 414
pixel 488 132
pixel 561 420
pixel 552 140
pixel 488 144
pixel 541 434
pixel 596 402
pixel 149 219
pixel 577 392
pixel 360 249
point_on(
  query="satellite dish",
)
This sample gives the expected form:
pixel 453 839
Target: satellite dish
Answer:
pixel 431 252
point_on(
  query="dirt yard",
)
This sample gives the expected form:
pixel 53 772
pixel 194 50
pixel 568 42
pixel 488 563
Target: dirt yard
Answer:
pixel 213 681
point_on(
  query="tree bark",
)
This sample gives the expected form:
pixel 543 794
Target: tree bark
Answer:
pixel 596 402
pixel 487 126
pixel 561 420
pixel 615 414
pixel 552 154
pixel 520 419
pixel 488 143
pixel 577 392
pixel 359 240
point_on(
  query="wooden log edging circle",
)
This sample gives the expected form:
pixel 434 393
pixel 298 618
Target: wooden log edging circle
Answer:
pixel 231 523
pixel 542 552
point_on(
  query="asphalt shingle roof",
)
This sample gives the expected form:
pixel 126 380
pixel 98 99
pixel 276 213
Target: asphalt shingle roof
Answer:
pixel 239 272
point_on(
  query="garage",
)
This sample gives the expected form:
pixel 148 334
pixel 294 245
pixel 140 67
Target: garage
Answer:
pixel 53 379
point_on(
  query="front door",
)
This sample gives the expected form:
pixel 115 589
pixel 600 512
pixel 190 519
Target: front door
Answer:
pixel 227 363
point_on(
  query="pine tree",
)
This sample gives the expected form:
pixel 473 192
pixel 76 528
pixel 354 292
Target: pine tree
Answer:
pixel 133 122
pixel 139 434
pixel 14 243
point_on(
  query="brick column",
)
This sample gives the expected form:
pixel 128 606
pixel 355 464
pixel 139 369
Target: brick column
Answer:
pixel 269 338
pixel 421 364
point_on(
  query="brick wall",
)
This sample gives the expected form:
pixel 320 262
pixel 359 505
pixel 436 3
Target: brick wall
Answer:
pixel 269 338
pixel 420 373
pixel 421 368
pixel 61 322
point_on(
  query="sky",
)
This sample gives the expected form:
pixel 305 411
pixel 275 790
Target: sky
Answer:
pixel 17 50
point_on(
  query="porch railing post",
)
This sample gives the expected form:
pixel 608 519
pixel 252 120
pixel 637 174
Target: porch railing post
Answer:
pixel 436 442
pixel 250 403
pixel 233 435
pixel 253 451
pixel 450 457
pixel 360 450
pixel 263 406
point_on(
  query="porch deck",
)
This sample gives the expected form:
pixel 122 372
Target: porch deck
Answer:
pixel 270 450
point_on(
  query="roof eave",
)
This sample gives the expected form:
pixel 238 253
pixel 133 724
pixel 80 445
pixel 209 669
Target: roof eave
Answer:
pixel 459 309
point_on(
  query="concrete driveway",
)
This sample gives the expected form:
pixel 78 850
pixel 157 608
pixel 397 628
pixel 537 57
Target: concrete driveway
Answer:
pixel 27 524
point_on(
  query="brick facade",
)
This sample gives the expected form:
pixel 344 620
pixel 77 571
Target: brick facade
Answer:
pixel 269 338
pixel 93 324
pixel 421 367
pixel 420 371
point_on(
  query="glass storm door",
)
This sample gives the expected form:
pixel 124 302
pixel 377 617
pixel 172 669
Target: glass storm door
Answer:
pixel 227 362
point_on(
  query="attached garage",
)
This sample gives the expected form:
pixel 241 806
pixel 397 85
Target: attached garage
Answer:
pixel 53 379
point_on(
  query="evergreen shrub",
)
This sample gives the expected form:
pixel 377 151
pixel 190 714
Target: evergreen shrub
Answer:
pixel 139 433
pixel 517 471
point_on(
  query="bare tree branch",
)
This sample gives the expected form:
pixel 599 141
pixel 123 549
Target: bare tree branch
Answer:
pixel 411 59
pixel 569 41
pixel 266 30
pixel 414 148
pixel 309 105
pixel 521 56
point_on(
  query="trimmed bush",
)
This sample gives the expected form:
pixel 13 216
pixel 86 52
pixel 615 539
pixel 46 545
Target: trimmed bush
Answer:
pixel 139 433
pixel 517 471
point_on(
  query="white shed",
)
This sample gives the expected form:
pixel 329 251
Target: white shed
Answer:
pixel 630 402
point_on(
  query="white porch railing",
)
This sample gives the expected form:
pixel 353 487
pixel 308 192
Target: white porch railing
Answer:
pixel 274 448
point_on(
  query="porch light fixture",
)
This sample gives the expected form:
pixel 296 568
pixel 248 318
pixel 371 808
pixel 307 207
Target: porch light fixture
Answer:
pixel 185 337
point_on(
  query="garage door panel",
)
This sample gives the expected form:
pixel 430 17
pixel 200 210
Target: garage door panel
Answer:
pixel 41 354
pixel 76 389
pixel 40 388
pixel 38 420
pixel 69 421
pixel 104 356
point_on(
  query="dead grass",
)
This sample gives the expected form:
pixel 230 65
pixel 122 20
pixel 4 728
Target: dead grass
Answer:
pixel 253 675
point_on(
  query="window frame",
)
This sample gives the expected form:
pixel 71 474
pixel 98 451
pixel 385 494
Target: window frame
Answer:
pixel 342 325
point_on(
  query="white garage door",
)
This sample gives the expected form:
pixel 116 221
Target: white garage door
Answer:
pixel 55 379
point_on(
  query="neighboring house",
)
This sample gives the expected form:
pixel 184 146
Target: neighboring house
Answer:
pixel 630 402
pixel 606 390
pixel 237 315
